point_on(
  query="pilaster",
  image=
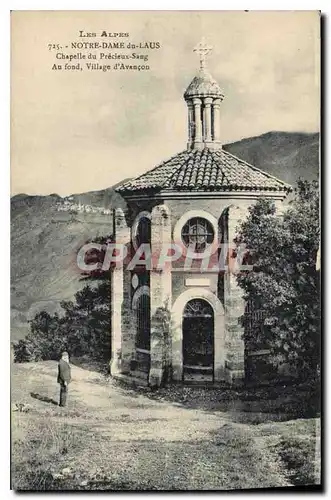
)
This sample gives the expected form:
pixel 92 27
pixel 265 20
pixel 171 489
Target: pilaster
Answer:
pixel 119 303
pixel 216 123
pixel 160 293
pixel 207 111
pixel 198 123
pixel 191 126
pixel 234 309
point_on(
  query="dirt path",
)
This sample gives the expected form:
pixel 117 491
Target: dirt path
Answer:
pixel 123 440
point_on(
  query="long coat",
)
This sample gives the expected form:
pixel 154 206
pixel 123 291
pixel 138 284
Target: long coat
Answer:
pixel 64 372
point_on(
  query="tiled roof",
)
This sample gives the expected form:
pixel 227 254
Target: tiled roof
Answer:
pixel 206 170
pixel 203 85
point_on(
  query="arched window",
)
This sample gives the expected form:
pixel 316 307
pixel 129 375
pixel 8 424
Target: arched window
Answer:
pixel 143 231
pixel 143 322
pixel 222 252
pixel 223 226
pixel 198 308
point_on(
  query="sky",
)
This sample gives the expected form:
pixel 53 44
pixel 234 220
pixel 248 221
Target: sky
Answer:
pixel 78 131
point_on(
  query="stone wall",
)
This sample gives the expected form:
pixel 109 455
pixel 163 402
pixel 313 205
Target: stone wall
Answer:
pixel 171 287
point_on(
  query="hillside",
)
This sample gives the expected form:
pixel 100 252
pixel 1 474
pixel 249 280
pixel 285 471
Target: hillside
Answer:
pixel 44 242
pixel 287 156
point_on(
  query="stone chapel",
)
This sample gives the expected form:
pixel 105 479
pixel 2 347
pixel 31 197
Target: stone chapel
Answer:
pixel 180 321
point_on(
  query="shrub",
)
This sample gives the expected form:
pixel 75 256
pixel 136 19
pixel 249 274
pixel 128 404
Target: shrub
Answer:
pixel 284 283
pixel 83 329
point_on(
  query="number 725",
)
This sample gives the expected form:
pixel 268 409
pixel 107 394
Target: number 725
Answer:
pixel 53 46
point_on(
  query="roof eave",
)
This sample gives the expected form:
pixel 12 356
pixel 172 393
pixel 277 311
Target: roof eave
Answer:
pixel 245 194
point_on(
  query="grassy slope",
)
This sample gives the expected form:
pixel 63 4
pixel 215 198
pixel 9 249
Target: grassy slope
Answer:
pixel 112 437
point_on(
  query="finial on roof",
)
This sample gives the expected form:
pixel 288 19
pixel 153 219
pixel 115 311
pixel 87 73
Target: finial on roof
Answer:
pixel 202 49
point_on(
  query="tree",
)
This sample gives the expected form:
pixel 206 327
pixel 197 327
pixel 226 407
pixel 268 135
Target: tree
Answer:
pixel 82 329
pixel 87 321
pixel 46 339
pixel 284 282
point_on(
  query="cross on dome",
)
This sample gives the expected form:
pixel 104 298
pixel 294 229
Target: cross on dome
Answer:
pixel 202 49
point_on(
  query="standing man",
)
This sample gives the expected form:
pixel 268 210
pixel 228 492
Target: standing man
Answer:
pixel 64 377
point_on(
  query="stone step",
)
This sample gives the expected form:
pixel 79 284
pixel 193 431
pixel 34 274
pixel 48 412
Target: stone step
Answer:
pixel 139 374
pixel 131 380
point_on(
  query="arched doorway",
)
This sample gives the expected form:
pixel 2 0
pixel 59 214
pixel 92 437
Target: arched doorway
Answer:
pixel 198 341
